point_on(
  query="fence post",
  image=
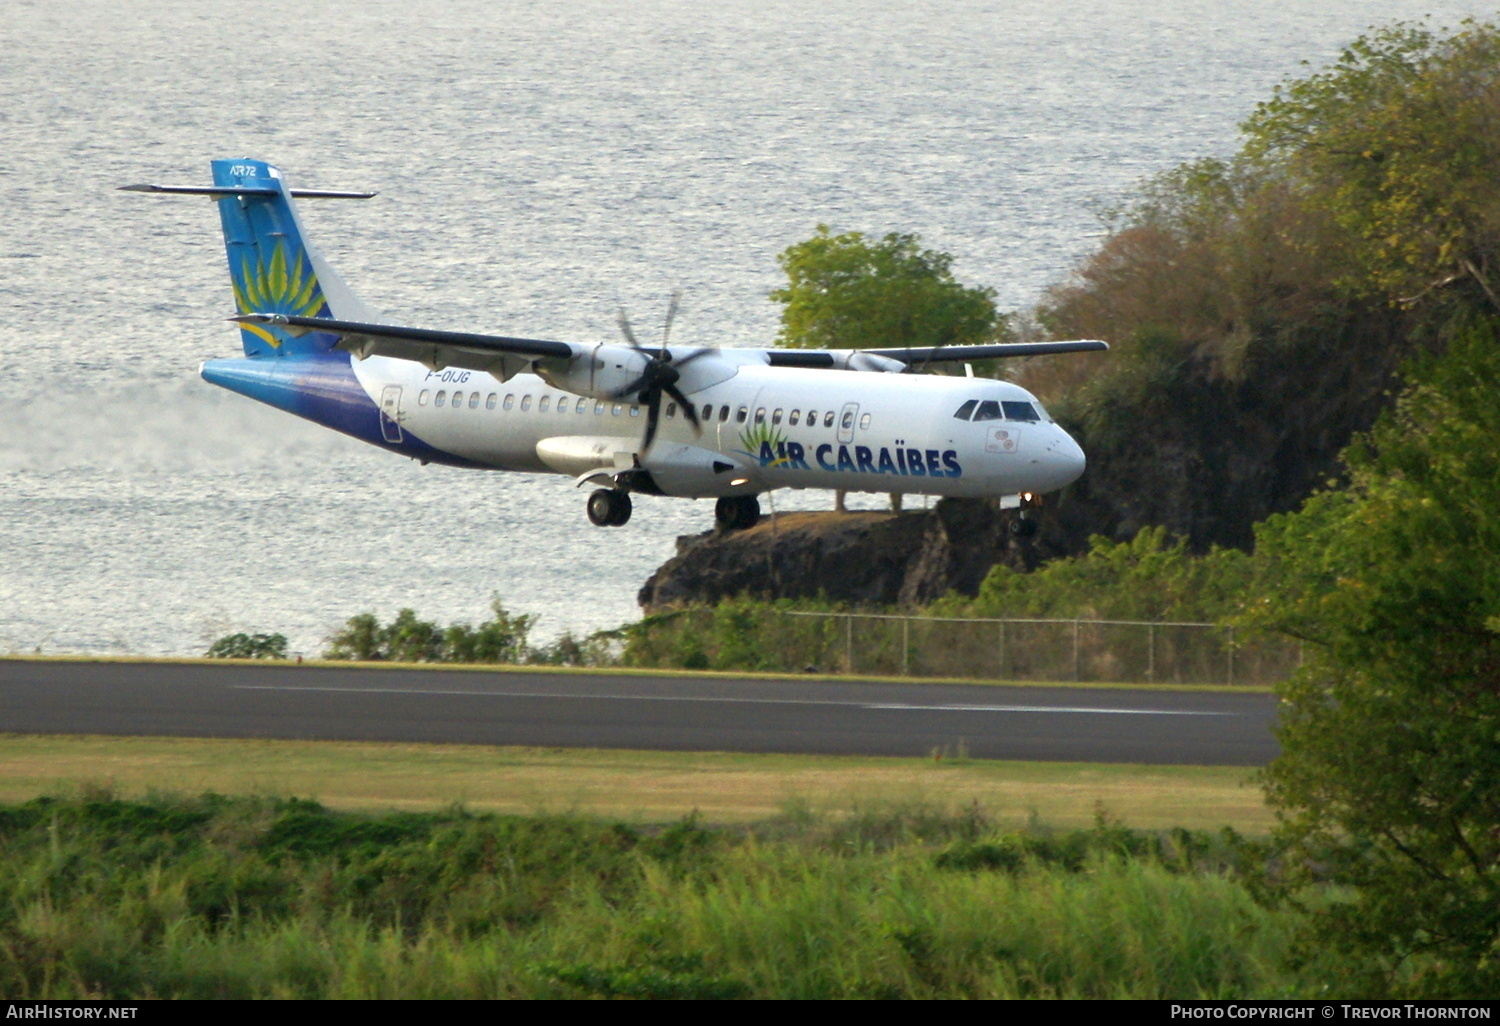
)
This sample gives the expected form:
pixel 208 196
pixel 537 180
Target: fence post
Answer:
pixel 906 646
pixel 1151 653
pixel 1231 655
pixel 1075 651
pixel 1002 649
pixel 849 643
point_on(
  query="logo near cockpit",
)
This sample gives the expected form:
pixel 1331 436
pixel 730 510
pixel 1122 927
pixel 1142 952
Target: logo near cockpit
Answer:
pixel 772 450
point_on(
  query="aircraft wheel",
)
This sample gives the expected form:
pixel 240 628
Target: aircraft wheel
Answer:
pixel 608 508
pixel 621 515
pixel 737 512
pixel 1024 527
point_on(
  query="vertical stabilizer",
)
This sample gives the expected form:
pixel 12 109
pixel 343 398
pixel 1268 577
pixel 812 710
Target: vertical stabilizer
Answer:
pixel 272 265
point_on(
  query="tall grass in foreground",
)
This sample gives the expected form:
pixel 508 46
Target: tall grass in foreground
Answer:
pixel 249 897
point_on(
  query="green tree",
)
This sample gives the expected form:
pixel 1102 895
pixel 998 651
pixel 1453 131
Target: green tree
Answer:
pixel 361 639
pixel 851 292
pixel 1388 784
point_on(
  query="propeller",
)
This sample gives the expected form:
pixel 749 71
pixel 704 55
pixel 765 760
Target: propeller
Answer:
pixel 660 375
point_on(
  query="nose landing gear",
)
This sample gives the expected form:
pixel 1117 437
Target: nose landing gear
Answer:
pixel 609 508
pixel 736 512
pixel 1026 525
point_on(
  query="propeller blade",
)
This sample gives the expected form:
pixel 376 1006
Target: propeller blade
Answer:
pixel 624 323
pixel 638 385
pixel 653 414
pixel 697 354
pixel 687 408
pixel 666 328
pixel 928 362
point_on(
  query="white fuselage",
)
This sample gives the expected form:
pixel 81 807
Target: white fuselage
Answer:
pixel 776 427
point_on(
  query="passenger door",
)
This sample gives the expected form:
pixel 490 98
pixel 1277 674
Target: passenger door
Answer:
pixel 847 417
pixel 390 414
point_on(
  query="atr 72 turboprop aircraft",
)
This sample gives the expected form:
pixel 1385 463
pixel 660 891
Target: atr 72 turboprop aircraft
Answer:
pixel 690 421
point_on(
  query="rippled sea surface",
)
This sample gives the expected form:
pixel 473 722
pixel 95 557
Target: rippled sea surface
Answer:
pixel 539 164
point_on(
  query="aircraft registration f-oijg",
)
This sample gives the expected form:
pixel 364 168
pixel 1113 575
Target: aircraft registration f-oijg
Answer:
pixel 692 421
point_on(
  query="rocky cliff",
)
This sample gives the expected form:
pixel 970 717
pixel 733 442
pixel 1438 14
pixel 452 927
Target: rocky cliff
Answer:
pixel 864 558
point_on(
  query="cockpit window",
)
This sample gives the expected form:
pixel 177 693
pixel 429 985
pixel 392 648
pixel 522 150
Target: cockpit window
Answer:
pixel 988 410
pixel 966 409
pixel 1020 411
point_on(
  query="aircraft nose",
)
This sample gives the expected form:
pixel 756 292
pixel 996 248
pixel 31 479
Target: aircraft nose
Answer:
pixel 1067 459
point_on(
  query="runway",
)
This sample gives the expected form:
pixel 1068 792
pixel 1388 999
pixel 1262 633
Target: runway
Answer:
pixel 808 716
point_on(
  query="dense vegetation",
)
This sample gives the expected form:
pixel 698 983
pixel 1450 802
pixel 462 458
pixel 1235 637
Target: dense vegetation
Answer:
pixel 504 638
pixel 220 897
pixel 1260 306
pixel 1389 779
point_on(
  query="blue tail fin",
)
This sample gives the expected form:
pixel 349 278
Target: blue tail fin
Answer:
pixel 273 267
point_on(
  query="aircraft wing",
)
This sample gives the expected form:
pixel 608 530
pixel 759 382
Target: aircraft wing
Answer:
pixel 999 351
pixel 502 355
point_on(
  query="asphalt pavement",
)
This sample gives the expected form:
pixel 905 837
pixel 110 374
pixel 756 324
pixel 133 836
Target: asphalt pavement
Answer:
pixel 796 715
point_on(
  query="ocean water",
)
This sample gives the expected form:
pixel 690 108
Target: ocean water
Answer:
pixel 539 165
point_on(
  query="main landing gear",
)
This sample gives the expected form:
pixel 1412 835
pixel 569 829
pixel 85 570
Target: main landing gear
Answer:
pixel 609 508
pixel 737 512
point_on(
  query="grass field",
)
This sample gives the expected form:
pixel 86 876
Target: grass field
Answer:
pixel 638 786
pixel 250 897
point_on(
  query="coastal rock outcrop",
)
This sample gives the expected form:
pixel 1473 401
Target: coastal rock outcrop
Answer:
pixel 861 558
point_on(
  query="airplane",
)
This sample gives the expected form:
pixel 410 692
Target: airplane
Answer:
pixel 692 421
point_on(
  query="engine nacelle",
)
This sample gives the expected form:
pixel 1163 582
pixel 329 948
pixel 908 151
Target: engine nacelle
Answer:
pixel 608 369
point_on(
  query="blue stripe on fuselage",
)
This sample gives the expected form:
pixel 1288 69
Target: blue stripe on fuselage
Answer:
pixel 322 388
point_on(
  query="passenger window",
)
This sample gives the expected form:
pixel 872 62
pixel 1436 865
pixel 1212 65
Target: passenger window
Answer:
pixel 1019 411
pixel 598 407
pixel 426 395
pixel 489 401
pixel 741 414
pixel 442 397
pixel 760 415
pixel 510 400
pixel 848 421
pixel 635 411
pixel 792 420
pixel 864 422
pixel 615 409
pixel 473 400
pixel 812 418
pixel 525 403
pixel 723 414
pixel 583 405
pixel 562 404
pixel 671 411
pixel 708 413
pixel 541 404
pixel 988 410
pixel 828 419
pixel 776 417
pixel 967 409
pixel 458 399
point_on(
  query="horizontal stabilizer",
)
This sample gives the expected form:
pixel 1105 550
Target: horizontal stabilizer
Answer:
pixel 218 192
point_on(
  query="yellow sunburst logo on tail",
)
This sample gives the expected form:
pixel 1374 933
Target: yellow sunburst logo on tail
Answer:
pixel 270 287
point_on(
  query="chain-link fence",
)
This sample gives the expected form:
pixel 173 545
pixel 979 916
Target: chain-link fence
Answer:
pixel 1116 651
